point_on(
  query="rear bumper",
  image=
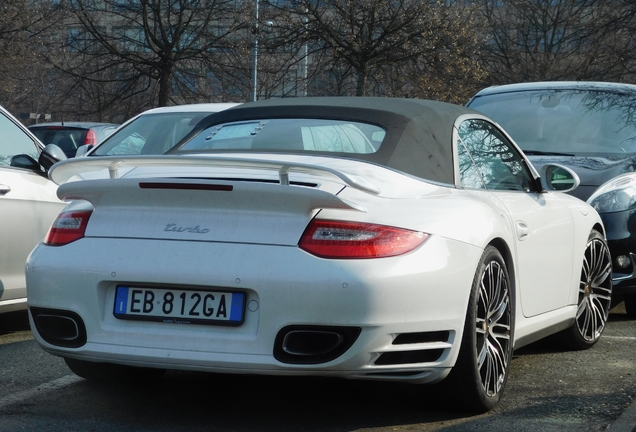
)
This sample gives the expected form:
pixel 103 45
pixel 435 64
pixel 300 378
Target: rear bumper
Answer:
pixel 424 293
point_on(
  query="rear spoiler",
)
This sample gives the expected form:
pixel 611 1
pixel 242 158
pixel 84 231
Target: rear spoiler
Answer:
pixel 65 170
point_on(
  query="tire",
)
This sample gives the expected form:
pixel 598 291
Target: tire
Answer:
pixel 595 296
pixel 107 372
pixel 480 374
pixel 630 305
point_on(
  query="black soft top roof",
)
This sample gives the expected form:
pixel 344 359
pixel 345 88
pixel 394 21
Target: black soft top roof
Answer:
pixel 418 132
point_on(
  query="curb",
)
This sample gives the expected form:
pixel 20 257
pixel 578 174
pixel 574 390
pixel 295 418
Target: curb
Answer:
pixel 627 420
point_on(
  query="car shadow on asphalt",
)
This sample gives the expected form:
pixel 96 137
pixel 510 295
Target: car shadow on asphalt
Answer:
pixel 177 401
pixel 184 400
pixel 12 322
pixel 552 344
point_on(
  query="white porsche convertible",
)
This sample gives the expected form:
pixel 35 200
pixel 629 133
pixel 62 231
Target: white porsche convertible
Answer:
pixel 369 238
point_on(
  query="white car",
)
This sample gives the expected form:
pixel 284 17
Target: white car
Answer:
pixel 368 238
pixel 28 205
pixel 154 131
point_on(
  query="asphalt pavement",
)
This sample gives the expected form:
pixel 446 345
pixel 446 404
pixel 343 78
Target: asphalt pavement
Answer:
pixel 626 422
pixel 551 390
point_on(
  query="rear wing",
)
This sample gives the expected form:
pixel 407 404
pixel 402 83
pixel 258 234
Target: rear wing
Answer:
pixel 66 170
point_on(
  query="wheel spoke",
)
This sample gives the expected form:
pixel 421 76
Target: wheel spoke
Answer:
pixel 598 316
pixel 491 375
pixel 585 271
pixel 581 309
pixel 585 319
pixel 482 356
pixel 501 310
pixel 495 369
pixel 503 334
pixel 602 276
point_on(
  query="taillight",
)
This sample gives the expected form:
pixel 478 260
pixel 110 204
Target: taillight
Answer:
pixel 91 137
pixel 67 227
pixel 333 239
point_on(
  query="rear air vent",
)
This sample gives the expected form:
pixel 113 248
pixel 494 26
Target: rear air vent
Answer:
pixel 409 357
pixel 418 355
pixel 422 337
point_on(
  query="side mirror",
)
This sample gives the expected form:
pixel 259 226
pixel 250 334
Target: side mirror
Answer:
pixel 25 161
pixel 558 178
pixel 50 155
pixel 82 150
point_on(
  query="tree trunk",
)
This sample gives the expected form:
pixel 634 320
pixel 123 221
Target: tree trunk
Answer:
pixel 165 85
pixel 362 81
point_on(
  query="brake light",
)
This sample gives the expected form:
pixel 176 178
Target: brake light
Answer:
pixel 67 227
pixel 333 239
pixel 91 137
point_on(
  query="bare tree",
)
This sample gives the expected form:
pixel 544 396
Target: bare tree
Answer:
pixel 155 48
pixel 533 40
pixel 360 36
pixel 109 59
pixel 450 69
pixel 623 24
pixel 261 46
pixel 381 47
pixel 25 78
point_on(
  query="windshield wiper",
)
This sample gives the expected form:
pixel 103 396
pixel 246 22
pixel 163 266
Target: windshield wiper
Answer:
pixel 542 153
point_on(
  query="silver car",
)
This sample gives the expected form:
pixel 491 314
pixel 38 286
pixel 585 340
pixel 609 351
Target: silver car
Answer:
pixel 28 204
pixel 155 131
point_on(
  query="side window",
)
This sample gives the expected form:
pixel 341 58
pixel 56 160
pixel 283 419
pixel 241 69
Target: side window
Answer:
pixel 500 165
pixel 13 141
pixel 150 134
pixel 127 144
pixel 470 175
pixel 335 138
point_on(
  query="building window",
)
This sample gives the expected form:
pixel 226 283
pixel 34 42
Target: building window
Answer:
pixel 131 39
pixel 79 40
pixel 185 82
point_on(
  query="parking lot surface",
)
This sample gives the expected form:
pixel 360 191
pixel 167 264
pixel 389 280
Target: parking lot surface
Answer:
pixel 549 390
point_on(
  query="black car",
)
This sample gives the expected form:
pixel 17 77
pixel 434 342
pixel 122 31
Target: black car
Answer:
pixel 69 136
pixel 591 128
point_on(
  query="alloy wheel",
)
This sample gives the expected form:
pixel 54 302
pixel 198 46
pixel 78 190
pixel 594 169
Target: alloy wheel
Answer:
pixel 595 290
pixel 493 324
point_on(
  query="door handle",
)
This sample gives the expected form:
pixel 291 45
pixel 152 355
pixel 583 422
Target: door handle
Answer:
pixel 4 189
pixel 522 230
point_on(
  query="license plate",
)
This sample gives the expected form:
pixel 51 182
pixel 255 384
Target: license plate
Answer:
pixel 179 306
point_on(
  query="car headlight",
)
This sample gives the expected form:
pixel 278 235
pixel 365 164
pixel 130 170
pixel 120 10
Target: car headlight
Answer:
pixel 617 194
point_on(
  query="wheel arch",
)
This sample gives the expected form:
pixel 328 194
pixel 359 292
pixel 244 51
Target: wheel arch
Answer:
pixel 600 228
pixel 502 246
pixel 480 392
pixel 505 251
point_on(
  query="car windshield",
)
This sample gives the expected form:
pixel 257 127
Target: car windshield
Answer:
pixel 150 134
pixel 576 122
pixel 313 135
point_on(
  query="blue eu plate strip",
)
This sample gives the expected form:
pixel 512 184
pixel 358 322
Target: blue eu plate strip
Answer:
pixel 121 303
pixel 236 314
